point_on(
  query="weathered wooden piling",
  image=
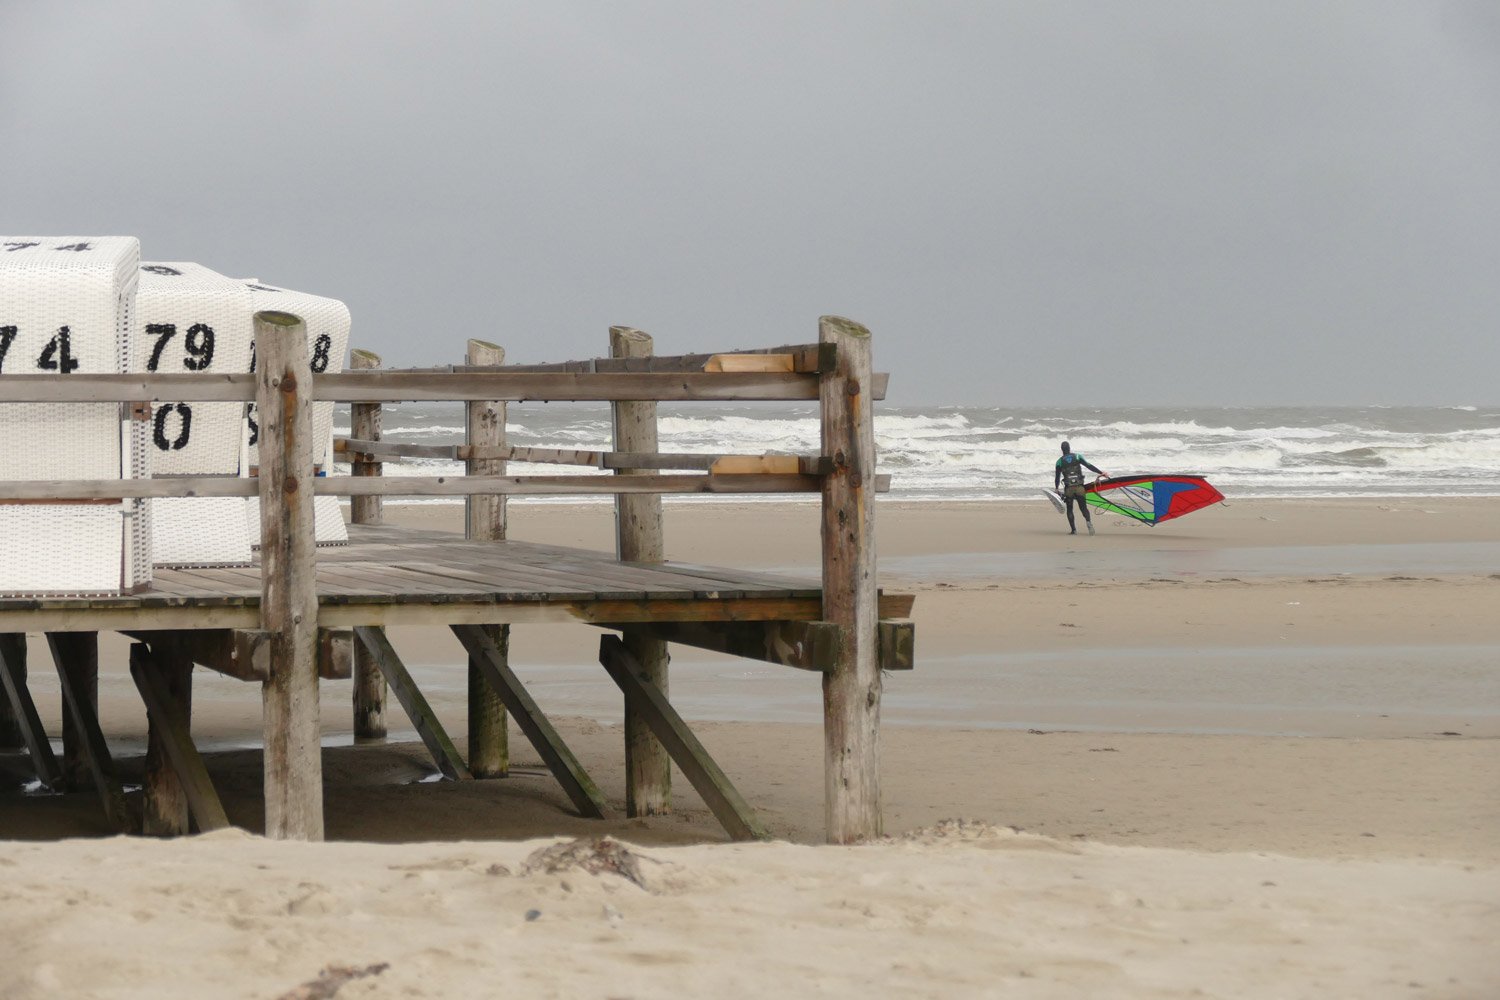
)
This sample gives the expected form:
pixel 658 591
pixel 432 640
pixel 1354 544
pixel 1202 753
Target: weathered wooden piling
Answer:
pixel 489 747
pixel 429 728
pixel 707 778
pixel 177 787
pixel 11 737
pixel 639 537
pixel 168 677
pixel 23 713
pixel 534 723
pixel 80 703
pixel 369 683
pixel 851 690
pixel 289 599
pixel 77 655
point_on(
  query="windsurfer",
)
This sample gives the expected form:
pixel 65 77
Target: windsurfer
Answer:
pixel 1069 474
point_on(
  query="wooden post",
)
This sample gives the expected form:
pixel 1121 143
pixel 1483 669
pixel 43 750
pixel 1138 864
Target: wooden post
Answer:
pixel 489 748
pixel 718 792
pixel 369 682
pixel 77 654
pixel 538 729
pixel 433 735
pixel 12 733
pixel 165 811
pixel 365 425
pixel 288 594
pixel 95 751
pixel 639 538
pixel 177 786
pixel 335 654
pixel 23 710
pixel 851 690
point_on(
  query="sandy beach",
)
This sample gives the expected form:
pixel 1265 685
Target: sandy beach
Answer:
pixel 1252 753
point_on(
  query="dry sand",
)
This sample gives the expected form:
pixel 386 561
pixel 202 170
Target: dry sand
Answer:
pixel 1256 753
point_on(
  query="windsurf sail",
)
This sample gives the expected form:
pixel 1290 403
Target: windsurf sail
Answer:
pixel 1152 499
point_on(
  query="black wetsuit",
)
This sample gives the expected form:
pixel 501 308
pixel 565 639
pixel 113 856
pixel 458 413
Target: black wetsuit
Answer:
pixel 1070 471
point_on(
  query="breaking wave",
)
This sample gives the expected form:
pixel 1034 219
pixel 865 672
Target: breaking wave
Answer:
pixel 969 453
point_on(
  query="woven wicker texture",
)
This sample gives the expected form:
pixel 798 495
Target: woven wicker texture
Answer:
pixel 328 521
pixel 54 550
pixel 204 531
pixel 66 306
pixel 191 318
pixel 327 323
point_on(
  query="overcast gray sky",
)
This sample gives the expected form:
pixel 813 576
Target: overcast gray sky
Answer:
pixel 1275 201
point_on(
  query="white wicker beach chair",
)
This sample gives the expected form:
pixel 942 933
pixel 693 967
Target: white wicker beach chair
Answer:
pixel 190 318
pixel 67 305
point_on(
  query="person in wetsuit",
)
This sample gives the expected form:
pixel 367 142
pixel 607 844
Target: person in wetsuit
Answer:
pixel 1069 475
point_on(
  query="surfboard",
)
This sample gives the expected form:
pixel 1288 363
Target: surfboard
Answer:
pixel 1057 500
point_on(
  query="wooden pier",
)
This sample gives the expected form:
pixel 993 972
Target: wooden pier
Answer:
pixel 303 614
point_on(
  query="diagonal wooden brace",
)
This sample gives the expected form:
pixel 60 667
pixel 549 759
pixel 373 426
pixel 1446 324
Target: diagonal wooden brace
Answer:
pixel 13 680
pixel 86 721
pixel 726 803
pixel 176 739
pixel 538 729
pixel 444 754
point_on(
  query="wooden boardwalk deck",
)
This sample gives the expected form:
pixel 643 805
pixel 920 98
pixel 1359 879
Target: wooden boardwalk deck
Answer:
pixel 304 614
pixel 402 576
pixel 388 575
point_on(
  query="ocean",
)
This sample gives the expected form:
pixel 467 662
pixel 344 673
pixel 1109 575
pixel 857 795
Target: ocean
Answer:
pixel 954 453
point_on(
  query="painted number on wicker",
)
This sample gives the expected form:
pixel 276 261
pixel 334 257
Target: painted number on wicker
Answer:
pixel 198 355
pixel 198 345
pixel 184 414
pixel 57 356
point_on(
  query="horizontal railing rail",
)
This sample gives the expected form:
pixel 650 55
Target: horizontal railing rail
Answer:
pixel 62 490
pixel 398 386
pixel 795 357
pixel 836 374
pixel 356 450
pixel 787 373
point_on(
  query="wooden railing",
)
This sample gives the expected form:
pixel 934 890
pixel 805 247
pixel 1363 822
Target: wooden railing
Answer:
pixel 721 473
pixel 836 372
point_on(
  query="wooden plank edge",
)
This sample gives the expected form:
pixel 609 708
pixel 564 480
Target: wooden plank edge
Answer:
pixel 394 385
pixel 896 643
pixel 355 486
pixel 750 363
pixel 742 475
pixel 803 645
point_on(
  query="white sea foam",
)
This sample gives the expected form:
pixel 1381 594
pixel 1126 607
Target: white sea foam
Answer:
pixel 972 453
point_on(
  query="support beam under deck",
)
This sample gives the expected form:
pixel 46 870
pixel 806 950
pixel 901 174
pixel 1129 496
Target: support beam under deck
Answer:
pixel 706 777
pixel 79 704
pixel 23 712
pixel 538 729
pixel 399 679
pixel 165 687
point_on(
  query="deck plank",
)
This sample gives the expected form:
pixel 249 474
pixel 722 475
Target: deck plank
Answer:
pixel 389 573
